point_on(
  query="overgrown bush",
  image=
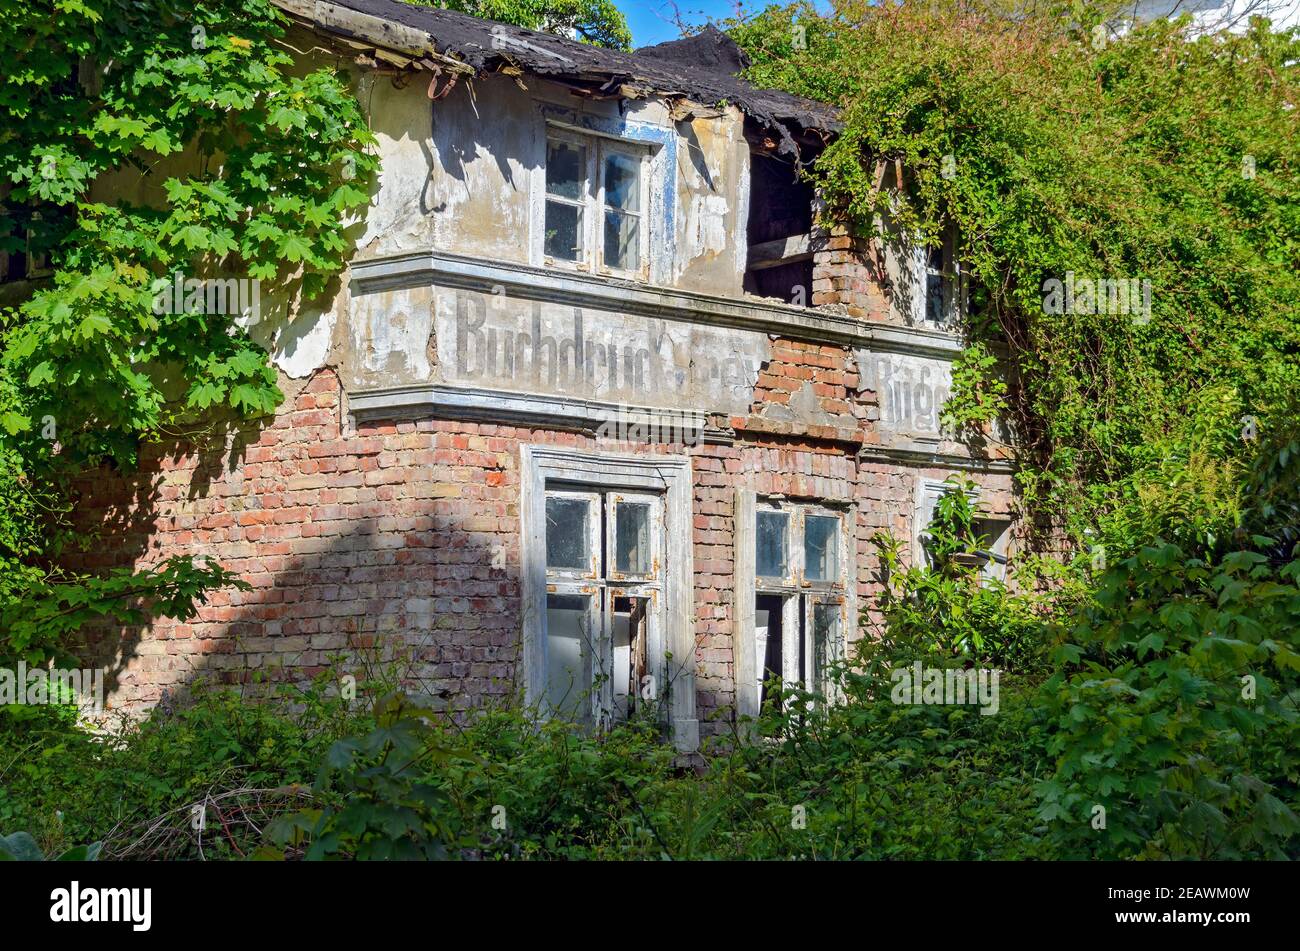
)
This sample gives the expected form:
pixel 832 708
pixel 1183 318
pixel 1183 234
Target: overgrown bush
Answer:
pixel 1150 154
pixel 941 603
pixel 1175 713
pixel 218 747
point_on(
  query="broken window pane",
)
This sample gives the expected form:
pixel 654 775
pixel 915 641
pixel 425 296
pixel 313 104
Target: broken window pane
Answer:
pixel 566 167
pixel 820 551
pixel 622 182
pixel 628 675
pixel 825 629
pixel 768 641
pixel 772 558
pixel 622 234
pixel 568 533
pixel 935 286
pixel 563 231
pixel 568 637
pixel 632 538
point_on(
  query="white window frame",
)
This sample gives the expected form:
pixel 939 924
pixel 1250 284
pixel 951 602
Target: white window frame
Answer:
pixel 671 642
pixel 952 280
pixel 926 497
pixel 602 588
pixel 592 570
pixel 592 257
pixel 798 593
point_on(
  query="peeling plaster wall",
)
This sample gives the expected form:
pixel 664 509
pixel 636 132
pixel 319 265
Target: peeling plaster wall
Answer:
pixel 465 174
pixel 484 340
pixel 497 342
pixel 911 392
pixel 461 174
pixel 487 139
pixel 713 167
pixel 389 338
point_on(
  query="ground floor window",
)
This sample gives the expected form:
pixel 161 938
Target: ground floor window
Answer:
pixel 993 533
pixel 608 619
pixel 794 561
pixel 604 583
pixel 795 639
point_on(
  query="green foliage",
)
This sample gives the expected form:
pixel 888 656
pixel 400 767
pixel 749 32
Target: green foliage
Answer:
pixel 241 758
pixel 501 785
pixel 863 778
pixel 566 794
pixel 870 780
pixel 384 810
pixel 1152 156
pixel 1176 711
pixel 21 847
pixel 219 162
pixel 979 394
pixel 40 624
pixel 598 22
pixel 1181 721
pixel 880 780
pixel 942 605
pixel 141 141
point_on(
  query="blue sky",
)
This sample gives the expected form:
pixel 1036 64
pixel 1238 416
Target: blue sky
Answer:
pixel 652 21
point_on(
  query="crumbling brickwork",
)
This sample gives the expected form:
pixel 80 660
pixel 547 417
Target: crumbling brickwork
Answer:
pixel 848 272
pixel 405 535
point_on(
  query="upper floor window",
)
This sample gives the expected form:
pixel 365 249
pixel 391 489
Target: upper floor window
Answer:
pixel 595 203
pixel 940 283
pixel 779 229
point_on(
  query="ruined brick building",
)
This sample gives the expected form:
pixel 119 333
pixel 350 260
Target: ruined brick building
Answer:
pixel 596 411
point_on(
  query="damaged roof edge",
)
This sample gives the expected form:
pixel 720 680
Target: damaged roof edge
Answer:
pixel 439 39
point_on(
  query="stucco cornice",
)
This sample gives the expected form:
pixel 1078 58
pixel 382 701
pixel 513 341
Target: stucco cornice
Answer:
pixel 522 281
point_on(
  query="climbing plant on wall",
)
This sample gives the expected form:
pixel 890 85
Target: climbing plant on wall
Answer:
pixel 1162 435
pixel 143 145
pixel 1066 154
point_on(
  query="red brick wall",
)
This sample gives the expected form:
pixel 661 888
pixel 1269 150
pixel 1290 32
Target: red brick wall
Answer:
pixel 848 271
pixel 407 533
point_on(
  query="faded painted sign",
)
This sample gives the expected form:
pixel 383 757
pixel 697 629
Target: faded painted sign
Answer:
pixel 391 332
pixel 911 391
pixel 435 334
pixel 489 340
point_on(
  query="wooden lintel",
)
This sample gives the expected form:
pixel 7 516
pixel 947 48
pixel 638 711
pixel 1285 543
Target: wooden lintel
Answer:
pixel 797 247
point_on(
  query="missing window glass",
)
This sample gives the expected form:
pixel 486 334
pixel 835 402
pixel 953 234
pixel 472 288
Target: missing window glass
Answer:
pixel 628 678
pixel 568 640
pixel 768 636
pixel 779 232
